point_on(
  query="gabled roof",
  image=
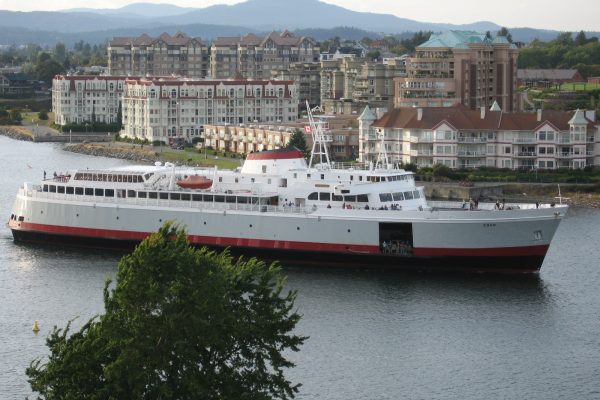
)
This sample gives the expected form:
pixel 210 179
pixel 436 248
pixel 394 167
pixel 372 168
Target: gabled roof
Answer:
pixel 578 118
pixel 546 74
pixel 367 115
pixel 463 118
pixel 454 39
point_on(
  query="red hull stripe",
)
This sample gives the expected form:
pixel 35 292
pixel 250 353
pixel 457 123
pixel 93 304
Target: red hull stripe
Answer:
pixel 281 244
pixel 275 155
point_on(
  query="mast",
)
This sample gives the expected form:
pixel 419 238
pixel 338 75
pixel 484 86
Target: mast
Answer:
pixel 382 157
pixel 320 140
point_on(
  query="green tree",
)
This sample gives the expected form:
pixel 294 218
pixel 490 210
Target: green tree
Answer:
pixel 298 141
pixel 180 323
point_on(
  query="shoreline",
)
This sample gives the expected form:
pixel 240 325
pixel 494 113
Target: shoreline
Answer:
pixel 580 195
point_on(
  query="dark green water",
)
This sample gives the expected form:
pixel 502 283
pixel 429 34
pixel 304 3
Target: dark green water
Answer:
pixel 373 335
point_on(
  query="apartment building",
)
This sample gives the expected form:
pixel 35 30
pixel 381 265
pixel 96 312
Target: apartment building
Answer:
pixel 161 56
pixel 254 57
pixel 342 137
pixel 163 108
pixel 349 84
pixel 308 80
pixel 80 99
pixel 460 67
pixel 460 137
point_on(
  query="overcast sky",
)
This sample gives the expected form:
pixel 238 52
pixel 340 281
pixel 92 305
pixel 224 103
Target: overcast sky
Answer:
pixel 572 15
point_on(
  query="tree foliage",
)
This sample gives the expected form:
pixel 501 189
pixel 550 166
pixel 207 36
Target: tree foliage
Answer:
pixel 562 52
pixel 298 141
pixel 180 323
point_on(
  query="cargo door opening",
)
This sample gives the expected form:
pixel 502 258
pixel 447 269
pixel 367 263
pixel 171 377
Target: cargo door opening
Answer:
pixel 396 238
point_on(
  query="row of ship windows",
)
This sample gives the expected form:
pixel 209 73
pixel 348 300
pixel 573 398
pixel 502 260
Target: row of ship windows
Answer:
pixel 122 193
pixel 363 198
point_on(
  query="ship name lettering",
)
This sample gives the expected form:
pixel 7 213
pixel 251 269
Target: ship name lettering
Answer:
pixel 488 225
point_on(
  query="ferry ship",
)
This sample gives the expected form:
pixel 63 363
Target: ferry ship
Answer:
pixel 278 206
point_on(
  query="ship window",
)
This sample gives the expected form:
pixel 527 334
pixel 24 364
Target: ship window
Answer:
pixel 408 195
pixel 322 176
pixel 416 194
pixel 264 169
pixel 70 190
pixel 251 180
pixel 89 191
pixel 242 200
pixel 325 196
pixel 208 197
pixel 148 175
pixel 220 179
pixel 152 195
pixel 98 192
pixel 351 177
pixel 142 195
pixel 130 179
pixel 131 193
pixel 60 189
pixel 360 177
pixel 336 197
pixel 163 196
pixel 219 199
pixel 385 197
pixel 398 196
pixel 52 189
pixel 79 190
pixel 119 178
pixel 21 218
pixel 109 193
pixel 45 188
pixel 175 196
pixel 196 197
pixel 362 198
pixel 313 196
pixel 307 176
pixel 185 196
pixel 230 199
pixel 350 198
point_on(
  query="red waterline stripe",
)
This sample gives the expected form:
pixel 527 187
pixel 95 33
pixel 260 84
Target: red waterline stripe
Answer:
pixel 196 239
pixel 539 250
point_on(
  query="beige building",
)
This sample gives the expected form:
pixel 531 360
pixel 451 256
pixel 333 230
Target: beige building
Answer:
pixel 254 57
pixel 460 67
pixel 247 138
pixel 459 137
pixel 349 84
pixel 79 99
pixel 308 80
pixel 159 109
pixel 162 56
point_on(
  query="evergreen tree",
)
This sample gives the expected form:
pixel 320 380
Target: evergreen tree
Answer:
pixel 181 323
pixel 298 141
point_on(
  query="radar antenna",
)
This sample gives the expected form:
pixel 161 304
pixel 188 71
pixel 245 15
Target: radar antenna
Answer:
pixel 320 139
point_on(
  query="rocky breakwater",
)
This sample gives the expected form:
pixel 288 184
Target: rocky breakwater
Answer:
pixel 16 132
pixel 113 150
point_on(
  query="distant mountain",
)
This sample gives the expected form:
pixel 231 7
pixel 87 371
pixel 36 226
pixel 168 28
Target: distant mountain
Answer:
pixel 304 16
pixel 149 10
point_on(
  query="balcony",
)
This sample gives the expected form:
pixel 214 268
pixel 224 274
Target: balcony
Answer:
pixel 422 153
pixel 463 153
pixel 416 139
pixel 524 141
pixel 472 140
pixel 525 154
pixel 564 140
pixel 564 155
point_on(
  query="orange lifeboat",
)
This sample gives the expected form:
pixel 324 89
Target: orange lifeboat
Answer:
pixel 195 182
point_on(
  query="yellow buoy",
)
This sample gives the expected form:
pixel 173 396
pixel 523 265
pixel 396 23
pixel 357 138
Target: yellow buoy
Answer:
pixel 36 327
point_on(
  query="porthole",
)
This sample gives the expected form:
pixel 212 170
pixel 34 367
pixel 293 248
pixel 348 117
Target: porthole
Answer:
pixel 204 222
pixel 297 228
pixel 160 220
pixel 250 225
pixel 348 230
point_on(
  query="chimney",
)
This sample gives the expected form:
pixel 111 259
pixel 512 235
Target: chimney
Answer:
pixel 419 114
pixel 539 115
pixel 482 112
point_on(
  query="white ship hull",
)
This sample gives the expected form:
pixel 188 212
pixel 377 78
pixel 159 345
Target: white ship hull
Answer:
pixel 484 240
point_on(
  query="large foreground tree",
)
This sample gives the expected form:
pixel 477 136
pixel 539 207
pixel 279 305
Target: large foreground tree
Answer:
pixel 180 323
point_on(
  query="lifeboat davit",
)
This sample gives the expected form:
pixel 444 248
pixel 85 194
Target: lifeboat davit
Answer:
pixel 195 182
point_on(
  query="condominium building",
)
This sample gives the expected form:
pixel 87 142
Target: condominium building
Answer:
pixel 246 138
pixel 159 109
pixel 161 56
pixel 460 137
pixel 349 84
pixel 254 57
pixel 308 79
pixel 81 99
pixel 460 67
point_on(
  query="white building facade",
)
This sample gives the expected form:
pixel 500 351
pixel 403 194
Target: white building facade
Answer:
pixel 159 109
pixel 459 137
pixel 81 99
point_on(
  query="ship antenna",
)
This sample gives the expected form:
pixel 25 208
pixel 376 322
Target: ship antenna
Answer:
pixel 382 157
pixel 320 140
